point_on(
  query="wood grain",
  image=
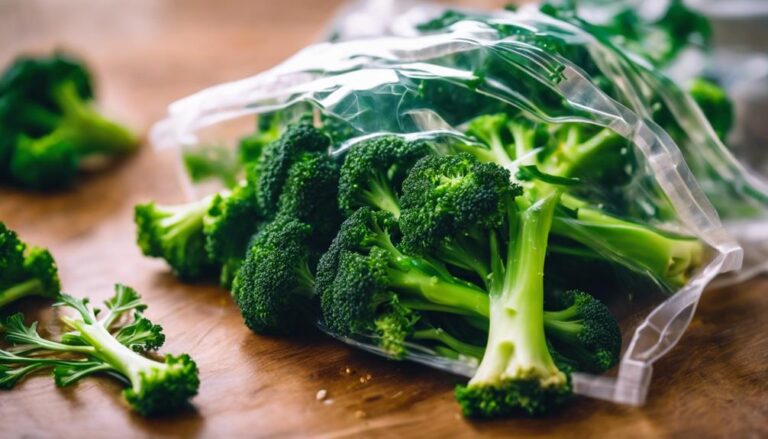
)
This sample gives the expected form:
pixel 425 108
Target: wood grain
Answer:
pixel 147 53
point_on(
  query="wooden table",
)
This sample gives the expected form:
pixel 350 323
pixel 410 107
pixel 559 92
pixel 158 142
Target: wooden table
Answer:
pixel 146 54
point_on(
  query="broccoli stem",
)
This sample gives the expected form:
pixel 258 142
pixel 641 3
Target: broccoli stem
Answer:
pixel 435 290
pixel 439 335
pixel 96 134
pixel 517 347
pixel 185 221
pixel 574 154
pixel 24 289
pixel 109 350
pixel 380 195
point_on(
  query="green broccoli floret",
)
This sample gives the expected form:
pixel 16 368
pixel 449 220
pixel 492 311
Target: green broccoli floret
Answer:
pixel 175 234
pixel 368 286
pixel 268 129
pixel 715 104
pixel 25 271
pixel 47 116
pixel 339 130
pixel 95 346
pixel 373 171
pixel 274 288
pixel 310 195
pixel 584 331
pixel 277 159
pixel 206 162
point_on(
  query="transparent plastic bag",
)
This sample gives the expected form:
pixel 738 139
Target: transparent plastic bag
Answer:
pixel 398 86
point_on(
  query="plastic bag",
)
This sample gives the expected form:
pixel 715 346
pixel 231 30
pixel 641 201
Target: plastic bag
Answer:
pixel 394 85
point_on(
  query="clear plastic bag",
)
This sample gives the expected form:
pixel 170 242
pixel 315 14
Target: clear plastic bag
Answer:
pixel 505 63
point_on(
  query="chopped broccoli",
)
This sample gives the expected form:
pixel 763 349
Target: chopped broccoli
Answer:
pixel 373 171
pixel 100 345
pixel 25 271
pixel 49 123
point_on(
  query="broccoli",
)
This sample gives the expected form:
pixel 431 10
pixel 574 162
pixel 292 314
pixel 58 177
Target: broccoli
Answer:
pixel 277 159
pixel 175 233
pixel 367 285
pixel 206 162
pixel 49 123
pixel 274 288
pixel 458 209
pixel 25 271
pixel 373 171
pixel 101 345
pixel 715 104
pixel 268 129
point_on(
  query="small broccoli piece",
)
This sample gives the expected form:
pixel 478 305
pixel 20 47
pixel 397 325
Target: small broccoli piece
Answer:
pixel 274 288
pixel 715 104
pixel 367 285
pixel 339 130
pixel 94 346
pixel 175 233
pixel 373 171
pixel 49 123
pixel 277 159
pixel 25 271
pixel 584 331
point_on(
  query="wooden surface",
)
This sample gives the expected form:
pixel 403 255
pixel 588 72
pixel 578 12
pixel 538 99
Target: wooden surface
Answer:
pixel 148 53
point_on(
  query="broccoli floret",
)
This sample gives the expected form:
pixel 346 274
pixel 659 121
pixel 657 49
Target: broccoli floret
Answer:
pixel 584 331
pixel 206 162
pixel 25 271
pixel 274 288
pixel 366 283
pixel 232 219
pixel 268 129
pixel 715 104
pixel 310 195
pixel 175 234
pixel 339 130
pixel 50 124
pixel 95 346
pixel 373 171
pixel 277 159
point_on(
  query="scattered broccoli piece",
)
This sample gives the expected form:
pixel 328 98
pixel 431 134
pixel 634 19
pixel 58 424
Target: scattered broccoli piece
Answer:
pixel 94 346
pixel 373 171
pixel 25 271
pixel 175 233
pixel 277 159
pixel 49 123
pixel 274 288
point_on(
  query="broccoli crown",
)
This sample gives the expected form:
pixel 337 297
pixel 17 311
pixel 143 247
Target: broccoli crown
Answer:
pixel 175 233
pixel 278 157
pixel 447 196
pixel 274 287
pixel 374 170
pixel 48 124
pixel 585 331
pixel 232 218
pixel 163 387
pixel 511 396
pixel 310 195
pixel 715 104
pixel 25 271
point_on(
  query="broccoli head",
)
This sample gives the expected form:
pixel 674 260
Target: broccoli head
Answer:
pixel 25 271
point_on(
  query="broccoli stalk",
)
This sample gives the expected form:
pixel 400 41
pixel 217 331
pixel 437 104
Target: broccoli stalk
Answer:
pixel 517 371
pixel 102 346
pixel 25 271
